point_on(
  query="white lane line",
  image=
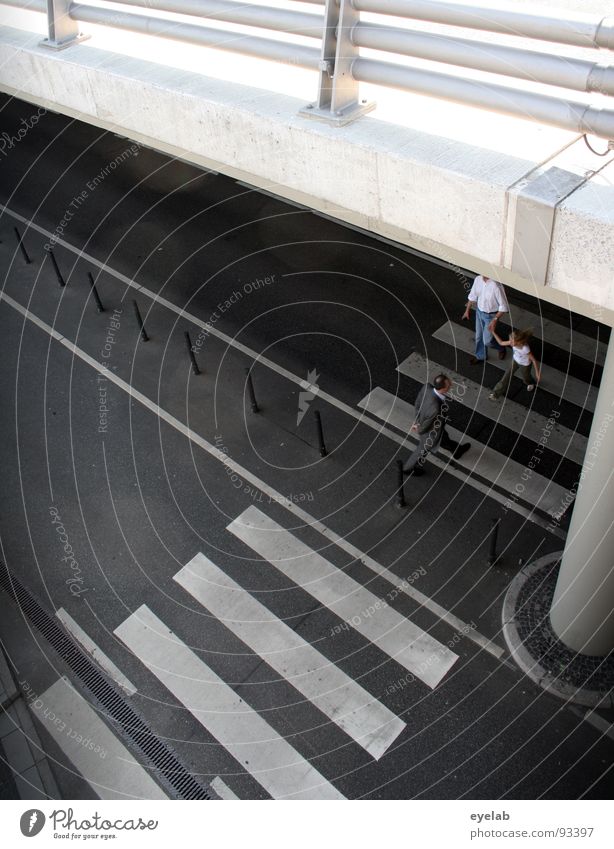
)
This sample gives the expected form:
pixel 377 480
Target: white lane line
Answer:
pixel 485 461
pixel 600 723
pixel 222 789
pixel 103 761
pixel 426 658
pixel 330 399
pixel 569 388
pixel 260 750
pixel 367 721
pixel 95 651
pixel 402 586
pixel 510 414
pixel 559 335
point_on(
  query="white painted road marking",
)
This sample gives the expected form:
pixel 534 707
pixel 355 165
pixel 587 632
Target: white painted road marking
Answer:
pixel 445 615
pixel 222 789
pixel 483 460
pixel 568 388
pixel 95 651
pixel 264 753
pixel 426 658
pixel 103 761
pixel 510 414
pixel 368 722
pixel 262 360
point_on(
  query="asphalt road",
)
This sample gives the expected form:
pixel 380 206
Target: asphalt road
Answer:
pixel 139 495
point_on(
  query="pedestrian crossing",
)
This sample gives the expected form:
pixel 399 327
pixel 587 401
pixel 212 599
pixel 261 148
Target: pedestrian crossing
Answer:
pixel 556 382
pixel 515 416
pixel 342 700
pixel 483 460
pixel 355 715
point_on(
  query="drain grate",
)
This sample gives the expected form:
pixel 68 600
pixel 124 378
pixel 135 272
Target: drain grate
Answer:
pixel 171 773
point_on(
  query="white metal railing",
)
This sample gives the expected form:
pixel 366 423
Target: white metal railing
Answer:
pixel 341 33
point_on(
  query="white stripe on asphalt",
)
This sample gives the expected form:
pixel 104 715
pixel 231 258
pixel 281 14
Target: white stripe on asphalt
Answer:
pixel 330 399
pixel 95 651
pixel 368 722
pixel 568 388
pixel 520 481
pixel 260 750
pixel 559 335
pixel 510 414
pixel 426 658
pixel 222 789
pixel 104 762
pixel 403 586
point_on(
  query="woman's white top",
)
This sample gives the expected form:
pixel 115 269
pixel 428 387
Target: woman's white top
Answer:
pixel 521 355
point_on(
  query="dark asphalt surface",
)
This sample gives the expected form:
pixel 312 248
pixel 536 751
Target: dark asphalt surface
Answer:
pixel 139 500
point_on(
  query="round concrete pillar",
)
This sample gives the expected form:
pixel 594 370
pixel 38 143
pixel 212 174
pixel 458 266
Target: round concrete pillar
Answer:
pixel 582 612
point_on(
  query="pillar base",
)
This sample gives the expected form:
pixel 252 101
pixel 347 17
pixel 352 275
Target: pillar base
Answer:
pixel 579 678
pixel 62 45
pixel 339 118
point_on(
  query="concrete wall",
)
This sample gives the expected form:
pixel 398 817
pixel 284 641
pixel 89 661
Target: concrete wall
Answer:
pixel 445 197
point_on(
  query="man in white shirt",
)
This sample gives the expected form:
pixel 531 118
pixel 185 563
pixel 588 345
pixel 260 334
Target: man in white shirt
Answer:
pixel 488 298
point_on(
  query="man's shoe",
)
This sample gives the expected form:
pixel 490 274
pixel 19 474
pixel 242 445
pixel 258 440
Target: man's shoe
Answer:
pixel 502 354
pixel 474 361
pixel 461 450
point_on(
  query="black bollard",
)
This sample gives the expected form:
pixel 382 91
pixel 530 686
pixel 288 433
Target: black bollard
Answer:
pixel 99 306
pixel 137 313
pixel 252 394
pixel 400 485
pixel 22 247
pixel 320 432
pixel 195 368
pixel 494 533
pixel 56 268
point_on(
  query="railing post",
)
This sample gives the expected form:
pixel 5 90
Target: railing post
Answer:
pixel 62 30
pixel 338 99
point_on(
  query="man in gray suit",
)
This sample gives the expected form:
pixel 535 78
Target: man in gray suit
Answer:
pixel 430 424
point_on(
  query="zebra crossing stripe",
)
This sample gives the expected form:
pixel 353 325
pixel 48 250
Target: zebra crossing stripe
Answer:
pixel 262 752
pixel 556 334
pixel 516 417
pixel 425 657
pixel 103 761
pixel 556 382
pixel 222 789
pixel 368 722
pixel 518 480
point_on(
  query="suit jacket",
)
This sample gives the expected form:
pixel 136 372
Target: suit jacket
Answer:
pixel 431 415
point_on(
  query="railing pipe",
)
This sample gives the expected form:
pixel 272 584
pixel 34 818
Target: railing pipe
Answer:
pixel 266 17
pixel 264 48
pixel 578 30
pixel 566 114
pixel 565 72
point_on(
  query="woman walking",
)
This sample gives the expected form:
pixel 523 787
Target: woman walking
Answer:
pixel 522 359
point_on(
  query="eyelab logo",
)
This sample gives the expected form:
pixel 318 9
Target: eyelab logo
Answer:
pixel 310 390
pixel 32 822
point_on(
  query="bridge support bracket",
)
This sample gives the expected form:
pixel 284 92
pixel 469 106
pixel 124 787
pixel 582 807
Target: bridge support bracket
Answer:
pixel 62 30
pixel 338 100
